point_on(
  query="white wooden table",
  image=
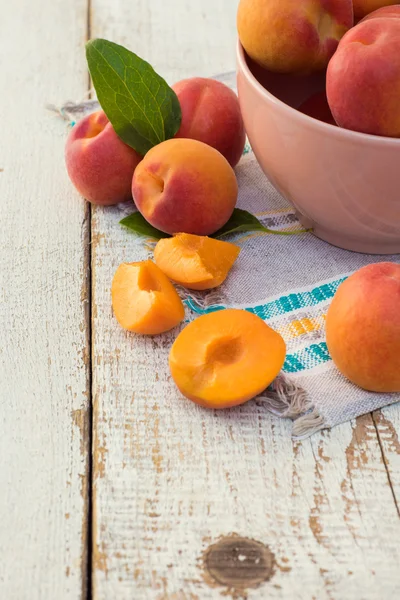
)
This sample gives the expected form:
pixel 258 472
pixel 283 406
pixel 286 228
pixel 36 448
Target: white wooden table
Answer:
pixel 110 487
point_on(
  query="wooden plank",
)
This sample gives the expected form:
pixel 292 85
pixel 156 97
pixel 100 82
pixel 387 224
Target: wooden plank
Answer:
pixel 387 423
pixel 180 494
pixel 44 355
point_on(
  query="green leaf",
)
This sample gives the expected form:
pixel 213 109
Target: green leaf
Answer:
pixel 140 105
pixel 241 220
pixel 138 224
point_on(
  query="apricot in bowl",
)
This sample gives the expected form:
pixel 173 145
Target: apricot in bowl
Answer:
pixel 363 76
pixel 293 36
pixel 344 185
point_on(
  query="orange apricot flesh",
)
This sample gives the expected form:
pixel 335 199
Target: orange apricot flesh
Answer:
pixel 194 261
pixel 144 300
pixel 225 358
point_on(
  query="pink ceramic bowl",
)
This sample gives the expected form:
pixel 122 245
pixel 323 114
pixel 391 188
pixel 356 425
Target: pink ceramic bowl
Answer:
pixel 343 184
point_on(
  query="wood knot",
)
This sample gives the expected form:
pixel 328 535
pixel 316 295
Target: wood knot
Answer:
pixel 239 563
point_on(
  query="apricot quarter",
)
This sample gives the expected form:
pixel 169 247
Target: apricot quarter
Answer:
pixel 186 186
pixel 211 114
pixel 363 327
pixel 225 358
pixel 144 300
pixel 195 262
pixel 99 163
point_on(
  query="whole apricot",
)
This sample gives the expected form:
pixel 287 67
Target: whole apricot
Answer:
pixel 291 36
pixel 363 76
pixel 225 358
pixel 99 163
pixel 185 186
pixel 363 327
pixel 211 114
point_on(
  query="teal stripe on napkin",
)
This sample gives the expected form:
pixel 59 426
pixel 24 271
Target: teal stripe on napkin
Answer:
pixel 280 306
pixel 307 357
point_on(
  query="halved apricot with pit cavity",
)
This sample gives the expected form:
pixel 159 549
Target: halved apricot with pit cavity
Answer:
pixel 144 300
pixel 225 358
pixel 194 261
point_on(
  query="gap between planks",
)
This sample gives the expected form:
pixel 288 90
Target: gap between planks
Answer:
pixel 90 562
pixel 89 550
pixel 384 458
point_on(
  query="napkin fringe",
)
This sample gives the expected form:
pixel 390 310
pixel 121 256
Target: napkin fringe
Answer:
pixel 308 424
pixel 288 400
pixel 204 300
pixel 74 111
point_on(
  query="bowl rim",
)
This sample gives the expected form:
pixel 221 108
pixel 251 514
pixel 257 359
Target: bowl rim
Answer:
pixel 307 120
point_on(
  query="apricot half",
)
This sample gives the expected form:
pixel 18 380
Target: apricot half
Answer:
pixel 144 300
pixel 225 358
pixel 194 261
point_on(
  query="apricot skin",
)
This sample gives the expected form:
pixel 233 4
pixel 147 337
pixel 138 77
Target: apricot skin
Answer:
pixel 290 36
pixel 363 77
pixel 195 262
pixel 363 328
pixel 365 7
pixel 183 185
pixel 225 358
pixel 211 114
pixel 144 300
pixel 99 163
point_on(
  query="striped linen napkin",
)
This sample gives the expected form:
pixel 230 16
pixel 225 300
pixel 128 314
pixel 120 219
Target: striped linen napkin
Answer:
pixel 289 281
